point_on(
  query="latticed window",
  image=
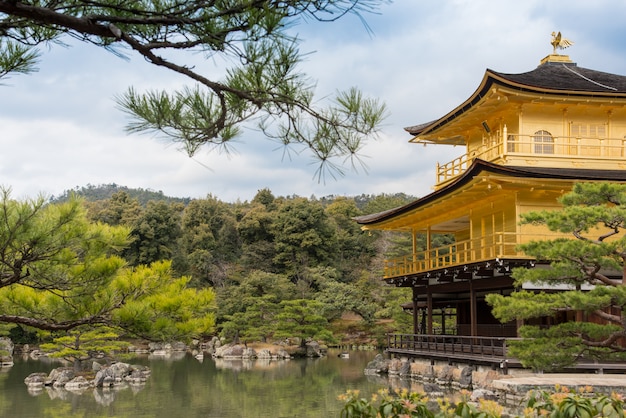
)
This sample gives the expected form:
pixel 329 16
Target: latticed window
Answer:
pixel 585 130
pixel 544 142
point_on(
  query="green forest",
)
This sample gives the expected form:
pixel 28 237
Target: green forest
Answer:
pixel 262 270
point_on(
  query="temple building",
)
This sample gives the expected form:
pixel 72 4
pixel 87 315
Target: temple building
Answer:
pixel 525 140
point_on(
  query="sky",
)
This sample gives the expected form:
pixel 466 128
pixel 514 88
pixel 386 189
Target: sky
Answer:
pixel 60 128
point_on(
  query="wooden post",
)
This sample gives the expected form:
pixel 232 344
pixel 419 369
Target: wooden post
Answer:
pixel 473 320
pixel 505 140
pixel 429 307
pixel 415 324
pixel 429 264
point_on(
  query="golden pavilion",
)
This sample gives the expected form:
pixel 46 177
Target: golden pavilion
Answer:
pixel 526 139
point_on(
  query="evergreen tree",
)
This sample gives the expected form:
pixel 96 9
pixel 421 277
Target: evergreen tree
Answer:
pixel 61 272
pixel 304 237
pixel 155 233
pixel 120 209
pixel 302 318
pixel 210 240
pixel 590 265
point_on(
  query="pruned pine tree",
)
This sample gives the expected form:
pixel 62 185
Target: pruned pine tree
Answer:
pixel 590 265
pixel 61 272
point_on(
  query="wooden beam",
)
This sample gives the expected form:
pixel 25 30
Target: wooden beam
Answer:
pixel 479 284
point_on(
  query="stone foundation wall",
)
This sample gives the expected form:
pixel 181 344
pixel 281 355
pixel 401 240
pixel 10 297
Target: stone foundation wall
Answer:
pixel 448 375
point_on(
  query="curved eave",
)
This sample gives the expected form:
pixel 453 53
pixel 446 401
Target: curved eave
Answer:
pixel 492 79
pixel 374 220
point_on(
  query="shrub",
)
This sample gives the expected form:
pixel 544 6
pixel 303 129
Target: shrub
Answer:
pixel 560 403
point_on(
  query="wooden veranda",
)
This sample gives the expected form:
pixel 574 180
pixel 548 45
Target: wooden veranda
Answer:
pixel 467 349
pixel 488 351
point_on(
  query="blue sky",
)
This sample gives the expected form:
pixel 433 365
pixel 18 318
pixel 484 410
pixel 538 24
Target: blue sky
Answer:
pixel 60 128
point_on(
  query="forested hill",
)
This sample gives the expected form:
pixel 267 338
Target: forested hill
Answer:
pixel 268 259
pixel 105 191
pixel 375 203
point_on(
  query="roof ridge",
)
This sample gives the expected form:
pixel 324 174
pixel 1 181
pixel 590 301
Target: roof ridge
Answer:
pixel 588 79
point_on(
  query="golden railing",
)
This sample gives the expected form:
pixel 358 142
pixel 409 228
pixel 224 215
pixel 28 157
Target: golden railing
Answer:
pixel 489 247
pixel 527 146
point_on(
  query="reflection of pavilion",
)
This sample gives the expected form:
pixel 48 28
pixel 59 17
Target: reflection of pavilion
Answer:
pixel 527 138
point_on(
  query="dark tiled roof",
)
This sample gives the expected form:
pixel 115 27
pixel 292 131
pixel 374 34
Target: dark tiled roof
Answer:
pixel 479 166
pixel 568 76
pixel 418 128
pixel 558 78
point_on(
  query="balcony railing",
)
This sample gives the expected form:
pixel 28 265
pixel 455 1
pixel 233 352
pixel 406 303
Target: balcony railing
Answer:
pixel 529 146
pixel 486 349
pixel 488 247
pixel 475 349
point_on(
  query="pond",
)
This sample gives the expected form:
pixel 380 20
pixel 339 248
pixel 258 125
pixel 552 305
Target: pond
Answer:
pixel 185 386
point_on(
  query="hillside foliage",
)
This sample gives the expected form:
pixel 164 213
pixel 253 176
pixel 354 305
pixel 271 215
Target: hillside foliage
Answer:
pixel 263 260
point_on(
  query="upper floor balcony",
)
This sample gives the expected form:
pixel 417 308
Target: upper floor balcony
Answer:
pixel 540 149
pixel 501 245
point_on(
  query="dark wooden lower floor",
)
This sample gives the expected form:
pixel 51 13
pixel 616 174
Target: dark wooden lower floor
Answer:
pixel 489 351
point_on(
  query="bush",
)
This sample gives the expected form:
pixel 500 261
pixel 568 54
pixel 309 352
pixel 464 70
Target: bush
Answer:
pixel 561 403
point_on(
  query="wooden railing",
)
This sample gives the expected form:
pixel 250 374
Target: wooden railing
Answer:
pixel 572 148
pixel 485 349
pixel 488 247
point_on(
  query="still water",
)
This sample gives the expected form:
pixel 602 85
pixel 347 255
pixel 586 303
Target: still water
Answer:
pixel 186 387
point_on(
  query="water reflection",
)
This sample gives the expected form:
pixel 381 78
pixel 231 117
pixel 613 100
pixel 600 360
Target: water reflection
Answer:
pixel 186 386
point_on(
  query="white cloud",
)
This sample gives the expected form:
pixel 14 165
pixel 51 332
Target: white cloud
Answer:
pixel 60 128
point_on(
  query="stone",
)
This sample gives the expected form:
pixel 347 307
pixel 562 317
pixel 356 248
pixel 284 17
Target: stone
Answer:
pixel 483 379
pixel 6 352
pixel 478 394
pixel 313 349
pixel 446 375
pixel 226 351
pixel 264 354
pixel 36 380
pixel 145 370
pixel 178 346
pixel 115 373
pixel 394 366
pixel 98 381
pixel 378 365
pixel 60 376
pixel 283 354
pixel 78 383
pixel 136 377
pixel 405 369
pixel 466 377
pixel 119 370
pixel 248 353
pixel 157 346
